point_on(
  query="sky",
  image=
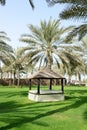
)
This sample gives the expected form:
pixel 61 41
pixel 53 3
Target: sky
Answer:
pixel 16 15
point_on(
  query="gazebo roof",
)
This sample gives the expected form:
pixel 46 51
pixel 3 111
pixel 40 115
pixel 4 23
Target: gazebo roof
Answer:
pixel 46 74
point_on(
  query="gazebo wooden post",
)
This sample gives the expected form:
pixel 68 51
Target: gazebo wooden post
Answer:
pixel 50 87
pixel 38 87
pixel 62 85
pixel 30 84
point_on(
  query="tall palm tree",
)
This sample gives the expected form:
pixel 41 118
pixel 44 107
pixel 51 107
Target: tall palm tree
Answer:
pixel 84 45
pixel 5 49
pixel 15 67
pixel 45 44
pixel 76 9
pixel 4 37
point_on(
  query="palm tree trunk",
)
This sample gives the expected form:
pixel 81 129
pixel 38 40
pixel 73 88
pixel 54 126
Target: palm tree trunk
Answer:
pixel 69 79
pixel 78 76
pixel 14 77
pixel 18 82
pixel 48 60
pixel 1 75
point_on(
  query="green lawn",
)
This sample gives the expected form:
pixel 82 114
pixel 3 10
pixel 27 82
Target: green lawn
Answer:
pixel 18 113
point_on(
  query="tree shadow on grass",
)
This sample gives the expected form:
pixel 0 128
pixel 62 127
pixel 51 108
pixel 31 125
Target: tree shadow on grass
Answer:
pixel 9 106
pixel 23 119
pixel 80 92
pixel 37 111
pixel 20 93
pixel 85 115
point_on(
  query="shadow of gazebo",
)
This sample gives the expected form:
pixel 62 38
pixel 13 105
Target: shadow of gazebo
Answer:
pixel 45 74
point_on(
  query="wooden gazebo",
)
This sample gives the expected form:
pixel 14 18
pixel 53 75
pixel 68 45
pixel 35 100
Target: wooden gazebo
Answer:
pixel 49 75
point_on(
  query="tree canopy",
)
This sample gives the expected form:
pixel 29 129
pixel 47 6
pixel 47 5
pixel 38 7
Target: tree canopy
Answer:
pixel 46 45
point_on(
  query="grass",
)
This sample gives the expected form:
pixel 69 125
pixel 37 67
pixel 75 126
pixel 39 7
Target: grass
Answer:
pixel 19 113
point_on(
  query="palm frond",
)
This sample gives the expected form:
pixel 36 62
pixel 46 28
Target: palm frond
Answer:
pixel 79 31
pixel 76 12
pixel 75 2
pixel 31 3
pixel 3 2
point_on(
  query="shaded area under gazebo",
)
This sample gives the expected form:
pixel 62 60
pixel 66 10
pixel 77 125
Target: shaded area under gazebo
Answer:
pixel 50 94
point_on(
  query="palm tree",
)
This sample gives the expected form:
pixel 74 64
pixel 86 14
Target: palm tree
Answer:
pixel 15 67
pixel 84 45
pixel 45 45
pixel 76 9
pixel 5 49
